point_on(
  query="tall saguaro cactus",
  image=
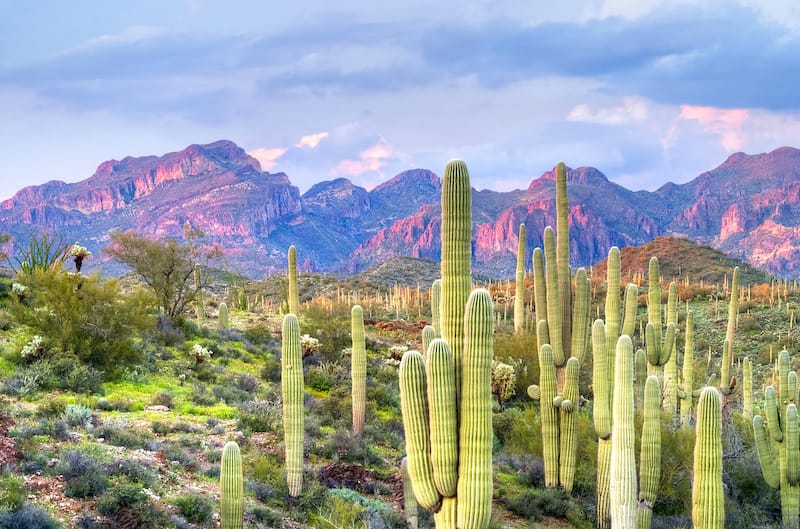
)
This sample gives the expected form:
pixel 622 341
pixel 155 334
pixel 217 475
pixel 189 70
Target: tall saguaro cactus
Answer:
pixel 294 296
pixel 519 293
pixel 687 386
pixel 708 500
pixel 623 459
pixel 777 443
pixel 231 487
pixel 727 380
pixel 292 391
pixel 358 369
pixel 456 257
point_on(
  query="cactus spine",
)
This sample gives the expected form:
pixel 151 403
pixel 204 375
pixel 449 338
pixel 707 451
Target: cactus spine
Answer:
pixel 777 443
pixel 708 500
pixel 519 296
pixel 292 391
pixel 650 461
pixel 294 296
pixel 223 315
pixel 358 370
pixel 231 487
pixel 623 460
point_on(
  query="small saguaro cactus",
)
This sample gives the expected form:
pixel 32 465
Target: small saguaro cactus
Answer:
pixel 292 391
pixel 231 487
pixel 708 499
pixel 778 445
pixel 519 292
pixel 294 296
pixel 358 370
pixel 727 381
pixel 223 315
pixel 747 388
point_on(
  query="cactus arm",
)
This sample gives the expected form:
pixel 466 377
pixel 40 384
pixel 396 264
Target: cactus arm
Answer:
pixel 519 286
pixel 547 385
pixel 539 293
pixel 436 300
pixel 631 304
pixel 292 390
pixel 792 446
pixel 623 460
pixel 669 344
pixel 475 428
pixel 409 500
pixel 767 457
pixel 414 406
pixel 650 460
pixel 580 316
pixel 358 370
pixel 773 421
pixel 654 299
pixel 554 306
pixel 231 487
pixel 294 296
pixel 428 335
pixel 443 417
pixel 612 301
pixel 568 431
pixel 708 499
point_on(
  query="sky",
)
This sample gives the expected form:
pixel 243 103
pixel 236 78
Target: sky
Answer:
pixel 647 91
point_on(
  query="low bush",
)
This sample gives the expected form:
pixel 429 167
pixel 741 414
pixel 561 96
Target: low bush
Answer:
pixel 83 475
pixel 27 517
pixel 196 508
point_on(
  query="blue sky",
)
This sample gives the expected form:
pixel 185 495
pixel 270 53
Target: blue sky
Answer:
pixel 646 91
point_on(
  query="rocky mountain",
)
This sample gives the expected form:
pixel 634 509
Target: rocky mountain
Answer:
pixel 748 207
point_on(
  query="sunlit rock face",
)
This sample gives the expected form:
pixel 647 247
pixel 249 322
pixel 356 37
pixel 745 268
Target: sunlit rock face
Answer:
pixel 749 207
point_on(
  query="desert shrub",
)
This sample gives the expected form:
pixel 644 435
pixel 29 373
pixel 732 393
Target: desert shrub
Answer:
pixel 535 504
pixel 103 404
pixel 266 516
pixel 261 415
pixel 163 398
pixel 12 493
pixel 503 423
pixel 134 470
pixel 370 509
pixel 128 505
pixel 247 383
pixel 118 432
pixel 196 508
pixel 230 394
pixel 271 371
pixel 333 332
pixel 78 416
pixel 343 446
pixel 83 475
pixel 258 334
pixel 173 452
pixel 385 396
pixel 51 408
pixel 27 517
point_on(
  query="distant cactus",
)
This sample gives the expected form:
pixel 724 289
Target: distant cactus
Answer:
pixel 727 380
pixel 231 487
pixel 223 315
pixel 519 295
pixel 708 500
pixel 292 391
pixel 358 371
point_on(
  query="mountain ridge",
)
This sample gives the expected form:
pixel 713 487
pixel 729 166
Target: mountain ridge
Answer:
pixel 748 207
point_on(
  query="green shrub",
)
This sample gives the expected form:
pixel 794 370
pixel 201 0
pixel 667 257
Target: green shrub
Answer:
pixel 12 493
pixel 260 415
pixel 196 508
pixel 51 408
pixel 28 517
pixel 83 475
pixel 163 398
pixel 124 495
pixel 78 416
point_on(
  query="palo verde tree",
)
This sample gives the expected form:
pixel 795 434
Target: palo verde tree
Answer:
pixel 166 266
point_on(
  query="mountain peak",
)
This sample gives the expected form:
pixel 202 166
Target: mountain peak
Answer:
pixel 579 176
pixel 412 178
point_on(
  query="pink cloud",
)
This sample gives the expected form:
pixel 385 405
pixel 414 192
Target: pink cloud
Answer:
pixel 727 123
pixel 311 140
pixel 372 159
pixel 267 157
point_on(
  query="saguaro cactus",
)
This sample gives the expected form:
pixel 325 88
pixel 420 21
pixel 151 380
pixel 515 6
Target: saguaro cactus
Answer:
pixel 358 369
pixel 436 305
pixel 777 443
pixel 294 296
pixel 747 388
pixel 708 500
pixel 231 487
pixel 687 386
pixel 292 391
pixel 199 299
pixel 658 351
pixel 727 380
pixel 519 292
pixel 410 508
pixel 223 315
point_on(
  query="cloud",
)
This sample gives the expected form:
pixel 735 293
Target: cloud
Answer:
pixel 311 140
pixel 372 159
pixel 726 123
pixel 631 109
pixel 267 157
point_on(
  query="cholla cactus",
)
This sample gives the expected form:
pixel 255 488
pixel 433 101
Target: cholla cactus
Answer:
pixel 78 254
pixel 33 348
pixel 200 353
pixel 309 344
pixel 504 381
